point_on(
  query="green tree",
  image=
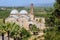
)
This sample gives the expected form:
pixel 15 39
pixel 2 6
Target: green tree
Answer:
pixel 25 34
pixel 9 28
pixel 34 29
pixel 2 30
pixel 53 33
pixel 15 32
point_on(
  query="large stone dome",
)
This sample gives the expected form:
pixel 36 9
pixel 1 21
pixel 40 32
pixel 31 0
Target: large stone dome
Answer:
pixel 14 11
pixel 24 16
pixel 23 12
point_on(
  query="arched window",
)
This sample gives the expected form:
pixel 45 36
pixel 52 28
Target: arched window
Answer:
pixel 36 19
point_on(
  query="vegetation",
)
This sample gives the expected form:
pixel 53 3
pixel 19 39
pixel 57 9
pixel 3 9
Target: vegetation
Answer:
pixel 25 34
pixel 4 14
pixel 38 11
pixel 10 27
pixel 13 30
pixel 53 22
pixel 34 29
pixel 1 21
pixel 2 31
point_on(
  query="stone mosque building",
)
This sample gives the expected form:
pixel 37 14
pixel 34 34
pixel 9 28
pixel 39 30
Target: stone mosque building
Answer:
pixel 25 19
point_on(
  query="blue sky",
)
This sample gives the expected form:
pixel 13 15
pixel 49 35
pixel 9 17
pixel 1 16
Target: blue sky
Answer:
pixel 24 2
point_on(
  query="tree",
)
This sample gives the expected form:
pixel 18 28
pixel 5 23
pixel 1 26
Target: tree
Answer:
pixel 15 32
pixel 8 29
pixel 2 31
pixel 53 33
pixel 25 34
pixel 50 21
pixel 34 29
pixel 57 8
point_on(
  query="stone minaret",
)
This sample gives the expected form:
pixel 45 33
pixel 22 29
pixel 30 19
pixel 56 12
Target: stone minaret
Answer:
pixel 31 12
pixel 31 8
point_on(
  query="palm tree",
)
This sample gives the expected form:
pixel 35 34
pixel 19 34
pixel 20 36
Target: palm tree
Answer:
pixel 15 32
pixel 9 28
pixel 19 33
pixel 2 31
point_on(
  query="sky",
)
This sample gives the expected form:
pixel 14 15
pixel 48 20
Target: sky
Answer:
pixel 24 2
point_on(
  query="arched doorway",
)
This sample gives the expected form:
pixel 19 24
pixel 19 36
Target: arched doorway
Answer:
pixel 30 25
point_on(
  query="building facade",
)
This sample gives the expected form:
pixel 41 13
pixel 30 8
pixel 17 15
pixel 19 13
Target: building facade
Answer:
pixel 25 19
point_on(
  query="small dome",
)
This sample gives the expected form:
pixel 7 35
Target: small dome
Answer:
pixel 14 11
pixel 23 12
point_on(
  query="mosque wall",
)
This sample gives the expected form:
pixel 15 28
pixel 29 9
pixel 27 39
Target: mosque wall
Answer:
pixel 24 19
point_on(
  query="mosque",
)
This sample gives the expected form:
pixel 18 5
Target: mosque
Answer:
pixel 25 19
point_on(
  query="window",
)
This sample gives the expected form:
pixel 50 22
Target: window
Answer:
pixel 36 19
pixel 30 25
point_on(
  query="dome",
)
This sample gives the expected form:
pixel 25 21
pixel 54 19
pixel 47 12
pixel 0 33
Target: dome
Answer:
pixel 14 11
pixel 24 16
pixel 14 16
pixel 23 12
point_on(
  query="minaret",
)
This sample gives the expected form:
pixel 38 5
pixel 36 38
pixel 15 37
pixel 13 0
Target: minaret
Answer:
pixel 31 12
pixel 31 8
